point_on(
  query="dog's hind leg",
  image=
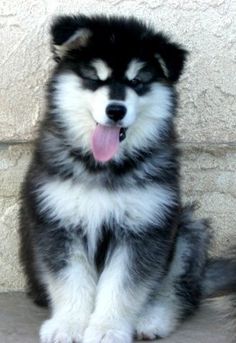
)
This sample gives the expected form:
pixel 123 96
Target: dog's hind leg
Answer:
pixel 180 293
pixel 160 318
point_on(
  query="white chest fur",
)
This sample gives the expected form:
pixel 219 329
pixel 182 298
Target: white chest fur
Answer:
pixel 74 204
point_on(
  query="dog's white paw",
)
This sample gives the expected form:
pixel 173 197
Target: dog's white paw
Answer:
pixel 146 335
pixel 149 333
pixel 59 330
pixel 153 328
pixel 158 321
pixel 96 334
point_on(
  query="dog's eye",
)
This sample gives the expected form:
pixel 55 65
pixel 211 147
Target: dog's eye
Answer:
pixel 90 77
pixel 88 73
pixel 136 82
pixel 93 78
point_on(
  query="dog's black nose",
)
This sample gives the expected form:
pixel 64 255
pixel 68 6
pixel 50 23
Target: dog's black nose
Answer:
pixel 116 111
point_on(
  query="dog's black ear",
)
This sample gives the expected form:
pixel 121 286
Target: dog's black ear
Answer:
pixel 171 57
pixel 68 32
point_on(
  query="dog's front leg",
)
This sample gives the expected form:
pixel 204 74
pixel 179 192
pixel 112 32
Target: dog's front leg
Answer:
pixel 71 291
pixel 123 289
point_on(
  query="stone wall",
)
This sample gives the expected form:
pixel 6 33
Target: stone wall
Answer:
pixel 207 115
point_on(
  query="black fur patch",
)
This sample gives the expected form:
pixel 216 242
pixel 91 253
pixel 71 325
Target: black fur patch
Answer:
pixel 117 42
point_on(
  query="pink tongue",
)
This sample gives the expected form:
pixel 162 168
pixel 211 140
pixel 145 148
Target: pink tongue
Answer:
pixel 105 142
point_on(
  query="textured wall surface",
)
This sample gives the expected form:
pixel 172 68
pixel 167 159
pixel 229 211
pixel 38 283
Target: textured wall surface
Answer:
pixel 207 115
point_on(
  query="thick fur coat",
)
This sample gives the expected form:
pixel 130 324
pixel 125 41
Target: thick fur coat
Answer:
pixel 105 239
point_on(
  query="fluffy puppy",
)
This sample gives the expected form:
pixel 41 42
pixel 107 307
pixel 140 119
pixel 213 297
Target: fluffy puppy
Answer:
pixel 105 239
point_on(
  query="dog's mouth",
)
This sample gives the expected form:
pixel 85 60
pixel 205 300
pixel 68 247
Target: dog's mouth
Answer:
pixel 122 134
pixel 106 141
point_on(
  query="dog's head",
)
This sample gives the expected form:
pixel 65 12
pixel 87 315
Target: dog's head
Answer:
pixel 113 86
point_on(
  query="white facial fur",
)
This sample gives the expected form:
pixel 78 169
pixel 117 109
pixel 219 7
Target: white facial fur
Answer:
pixel 73 109
pixel 152 111
pixel 102 69
pixel 101 101
pixel 133 69
pixel 80 109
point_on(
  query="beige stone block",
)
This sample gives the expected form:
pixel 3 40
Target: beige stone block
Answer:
pixel 209 177
pixel 10 270
pixel 207 90
pixel 24 64
pixel 13 163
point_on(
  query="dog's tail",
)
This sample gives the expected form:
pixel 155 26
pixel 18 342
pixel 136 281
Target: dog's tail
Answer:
pixel 220 280
pixel 220 276
pixel 232 315
pixel 217 274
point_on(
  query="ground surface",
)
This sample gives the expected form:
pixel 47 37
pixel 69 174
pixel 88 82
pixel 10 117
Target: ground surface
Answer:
pixel 20 321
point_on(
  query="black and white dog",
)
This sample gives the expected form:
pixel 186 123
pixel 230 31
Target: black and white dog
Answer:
pixel 105 239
